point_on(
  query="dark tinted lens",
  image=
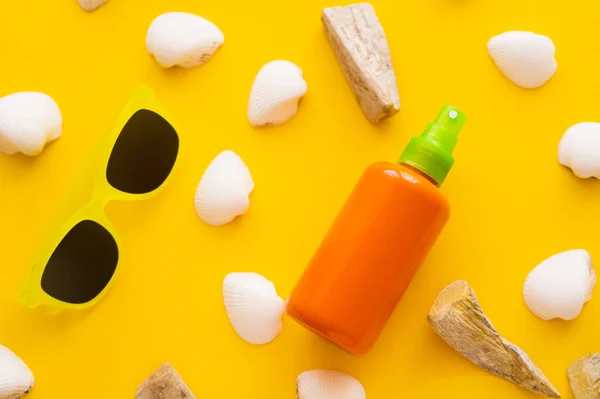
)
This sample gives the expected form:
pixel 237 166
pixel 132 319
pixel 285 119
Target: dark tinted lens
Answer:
pixel 82 264
pixel 144 154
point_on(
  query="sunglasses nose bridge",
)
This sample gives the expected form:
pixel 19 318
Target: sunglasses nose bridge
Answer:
pixel 99 200
pixel 29 297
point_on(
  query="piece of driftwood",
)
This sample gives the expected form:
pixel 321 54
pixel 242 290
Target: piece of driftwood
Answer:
pixel 165 383
pixel 458 318
pixel 361 48
pixel 91 5
pixel 584 376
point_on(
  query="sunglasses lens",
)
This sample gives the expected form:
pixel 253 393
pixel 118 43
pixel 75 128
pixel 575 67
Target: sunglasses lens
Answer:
pixel 144 154
pixel 82 264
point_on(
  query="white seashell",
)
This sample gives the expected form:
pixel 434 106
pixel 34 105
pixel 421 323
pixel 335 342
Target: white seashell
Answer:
pixel 179 38
pixel 526 58
pixel 224 190
pixel 16 380
pixel 560 286
pixel 275 94
pixel 28 120
pixel 579 149
pixel 327 384
pixel 91 5
pixel 253 307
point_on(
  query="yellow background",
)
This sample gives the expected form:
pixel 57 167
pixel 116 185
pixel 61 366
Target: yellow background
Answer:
pixel 513 204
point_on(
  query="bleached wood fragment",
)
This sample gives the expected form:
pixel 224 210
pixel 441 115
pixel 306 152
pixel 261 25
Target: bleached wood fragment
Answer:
pixel 458 318
pixel 361 48
pixel 164 383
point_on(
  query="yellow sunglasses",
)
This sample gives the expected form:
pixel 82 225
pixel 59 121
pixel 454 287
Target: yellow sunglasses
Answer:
pixel 77 263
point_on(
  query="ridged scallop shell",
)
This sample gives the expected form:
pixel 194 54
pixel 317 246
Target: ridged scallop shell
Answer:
pixel 579 149
pixel 584 376
pixel 560 286
pixel 526 58
pixel 91 5
pixel 253 307
pixel 28 120
pixel 223 192
pixel 16 380
pixel 179 38
pixel 328 384
pixel 275 94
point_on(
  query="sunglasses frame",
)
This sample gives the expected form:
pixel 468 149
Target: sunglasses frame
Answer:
pixel 32 294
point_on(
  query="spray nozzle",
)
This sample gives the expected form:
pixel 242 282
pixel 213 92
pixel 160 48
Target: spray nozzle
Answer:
pixel 431 152
pixel 445 128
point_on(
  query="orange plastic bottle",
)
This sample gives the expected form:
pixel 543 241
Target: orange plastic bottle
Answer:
pixel 378 240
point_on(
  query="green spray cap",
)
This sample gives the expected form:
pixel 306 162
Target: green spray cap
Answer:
pixel 431 152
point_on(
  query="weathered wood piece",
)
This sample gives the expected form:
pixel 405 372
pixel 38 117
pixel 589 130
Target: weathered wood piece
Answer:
pixel 584 376
pixel 361 48
pixel 91 5
pixel 165 383
pixel 458 318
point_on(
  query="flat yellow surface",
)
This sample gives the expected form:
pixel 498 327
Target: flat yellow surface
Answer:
pixel 513 204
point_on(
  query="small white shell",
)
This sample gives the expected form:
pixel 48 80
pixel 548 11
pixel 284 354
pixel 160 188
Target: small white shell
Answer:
pixel 28 120
pixel 253 307
pixel 179 38
pixel 327 384
pixel 526 58
pixel 16 380
pixel 560 286
pixel 91 5
pixel 579 149
pixel 275 94
pixel 223 191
